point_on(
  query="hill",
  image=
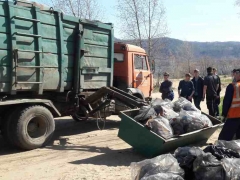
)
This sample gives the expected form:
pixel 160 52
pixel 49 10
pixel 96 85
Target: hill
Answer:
pixel 215 50
pixel 171 54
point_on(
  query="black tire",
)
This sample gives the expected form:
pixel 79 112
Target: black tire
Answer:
pixel 6 127
pixel 31 127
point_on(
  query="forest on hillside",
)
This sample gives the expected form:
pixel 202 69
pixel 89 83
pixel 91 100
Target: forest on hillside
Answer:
pixel 184 56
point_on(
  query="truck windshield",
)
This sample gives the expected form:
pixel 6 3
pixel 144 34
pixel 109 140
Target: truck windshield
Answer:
pixel 140 62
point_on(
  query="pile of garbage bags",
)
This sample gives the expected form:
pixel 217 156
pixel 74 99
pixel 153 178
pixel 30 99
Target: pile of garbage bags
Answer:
pixel 169 119
pixel 162 167
pixel 215 162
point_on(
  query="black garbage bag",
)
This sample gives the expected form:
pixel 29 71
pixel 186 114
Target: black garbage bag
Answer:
pixel 207 167
pixel 233 145
pixel 194 120
pixel 177 126
pixel 185 157
pixel 221 152
pixel 161 164
pixel 232 168
pixel 145 113
pixel 186 124
pixel 146 168
pixel 163 176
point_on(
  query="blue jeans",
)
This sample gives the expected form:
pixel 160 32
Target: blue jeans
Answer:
pixel 230 128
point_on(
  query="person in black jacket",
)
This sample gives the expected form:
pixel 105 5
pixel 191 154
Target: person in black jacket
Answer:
pixel 218 91
pixel 198 86
pixel 186 88
pixel 210 91
pixel 166 88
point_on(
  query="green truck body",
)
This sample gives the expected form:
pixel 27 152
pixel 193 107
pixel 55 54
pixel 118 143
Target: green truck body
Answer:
pixel 52 65
pixel 44 50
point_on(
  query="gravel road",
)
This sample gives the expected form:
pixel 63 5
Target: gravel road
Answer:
pixel 79 151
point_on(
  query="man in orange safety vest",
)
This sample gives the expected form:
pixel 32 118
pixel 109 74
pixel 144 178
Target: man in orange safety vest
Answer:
pixel 231 110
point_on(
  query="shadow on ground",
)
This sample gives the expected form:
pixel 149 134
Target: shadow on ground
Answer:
pixel 111 157
pixel 64 127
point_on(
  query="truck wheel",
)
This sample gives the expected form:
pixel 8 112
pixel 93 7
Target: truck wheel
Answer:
pixel 32 127
pixel 5 128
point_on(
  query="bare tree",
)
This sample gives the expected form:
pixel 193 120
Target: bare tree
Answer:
pixel 143 21
pixel 187 56
pixel 85 9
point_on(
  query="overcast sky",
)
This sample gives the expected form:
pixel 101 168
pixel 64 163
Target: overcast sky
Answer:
pixel 193 20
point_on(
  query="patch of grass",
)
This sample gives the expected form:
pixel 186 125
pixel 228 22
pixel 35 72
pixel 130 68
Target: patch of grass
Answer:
pixel 221 105
pixel 225 81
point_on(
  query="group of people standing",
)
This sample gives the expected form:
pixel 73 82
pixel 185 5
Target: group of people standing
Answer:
pixel 209 87
pixel 196 89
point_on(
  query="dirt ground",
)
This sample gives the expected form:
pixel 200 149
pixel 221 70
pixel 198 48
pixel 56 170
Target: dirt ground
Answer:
pixel 79 151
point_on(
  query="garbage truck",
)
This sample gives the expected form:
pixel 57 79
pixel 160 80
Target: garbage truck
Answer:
pixel 53 65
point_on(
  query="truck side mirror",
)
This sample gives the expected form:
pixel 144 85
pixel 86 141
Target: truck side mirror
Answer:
pixel 153 66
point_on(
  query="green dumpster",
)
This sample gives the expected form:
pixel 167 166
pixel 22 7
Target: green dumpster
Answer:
pixel 150 144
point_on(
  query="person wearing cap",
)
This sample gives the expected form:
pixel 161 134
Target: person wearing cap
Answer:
pixel 198 86
pixel 231 110
pixel 217 102
pixel 186 88
pixel 166 88
pixel 210 91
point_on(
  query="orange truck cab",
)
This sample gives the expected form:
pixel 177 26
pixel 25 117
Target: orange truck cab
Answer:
pixel 132 70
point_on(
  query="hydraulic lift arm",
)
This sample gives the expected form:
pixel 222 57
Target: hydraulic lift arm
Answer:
pixel 113 93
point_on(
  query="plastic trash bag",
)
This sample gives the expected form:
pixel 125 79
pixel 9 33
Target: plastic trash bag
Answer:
pixel 190 107
pixel 165 103
pixel 184 104
pixel 179 104
pixel 233 145
pixel 194 121
pixel 145 113
pixel 163 176
pixel 207 167
pixel 221 152
pixel 169 113
pixel 206 120
pixel 161 126
pixel 178 126
pixel 232 168
pixel 185 157
pixel 161 164
pixel 191 121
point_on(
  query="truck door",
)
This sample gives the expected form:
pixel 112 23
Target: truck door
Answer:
pixel 141 74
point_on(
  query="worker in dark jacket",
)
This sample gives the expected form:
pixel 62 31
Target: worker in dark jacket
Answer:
pixel 166 88
pixel 231 110
pixel 186 88
pixel 198 86
pixel 217 102
pixel 210 91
